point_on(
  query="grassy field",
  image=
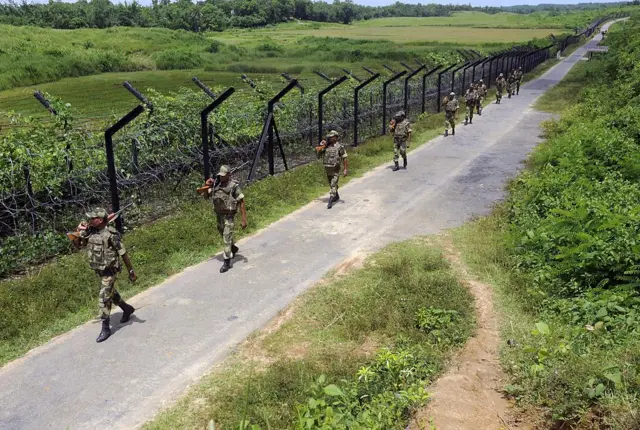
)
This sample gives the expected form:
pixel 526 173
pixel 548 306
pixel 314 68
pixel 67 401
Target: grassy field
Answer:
pixel 359 332
pixel 86 67
pixel 427 33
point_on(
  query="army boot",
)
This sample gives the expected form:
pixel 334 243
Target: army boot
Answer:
pixel 226 266
pixel 397 167
pixel 446 132
pixel 234 250
pixel 453 131
pixel 337 197
pixel 471 121
pixel 127 310
pixel 330 204
pixel 106 331
pixel 466 120
pixel 404 162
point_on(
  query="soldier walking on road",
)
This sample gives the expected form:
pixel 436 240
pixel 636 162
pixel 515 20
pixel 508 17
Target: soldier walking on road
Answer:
pixel 451 107
pixel 332 153
pixel 401 129
pixel 226 197
pixel 510 83
pixel 104 248
pixel 518 76
pixel 482 93
pixel 470 103
pixel 500 84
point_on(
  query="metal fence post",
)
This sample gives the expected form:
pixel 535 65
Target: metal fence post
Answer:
pixel 424 86
pixel 356 105
pixel 334 84
pixel 406 86
pixel 385 84
pixel 440 84
pixel 204 121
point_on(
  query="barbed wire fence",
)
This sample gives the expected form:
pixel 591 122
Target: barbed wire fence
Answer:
pixel 52 172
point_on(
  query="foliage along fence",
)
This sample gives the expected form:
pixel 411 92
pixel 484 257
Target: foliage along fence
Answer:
pixel 53 171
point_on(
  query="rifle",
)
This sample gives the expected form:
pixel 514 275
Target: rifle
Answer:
pixel 209 184
pixel 75 235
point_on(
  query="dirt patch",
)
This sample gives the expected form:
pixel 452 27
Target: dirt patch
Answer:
pixel 467 396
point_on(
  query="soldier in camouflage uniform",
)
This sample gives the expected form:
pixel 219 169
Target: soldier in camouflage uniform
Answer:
pixel 500 84
pixel 511 81
pixel 401 129
pixel 332 153
pixel 481 90
pixel 451 107
pixel 104 248
pixel 518 77
pixel 226 197
pixel 470 99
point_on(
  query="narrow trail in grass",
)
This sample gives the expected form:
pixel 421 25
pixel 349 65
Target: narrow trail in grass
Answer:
pixel 193 320
pixel 468 395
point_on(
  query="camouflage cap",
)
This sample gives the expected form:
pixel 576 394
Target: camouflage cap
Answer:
pixel 400 113
pixel 452 94
pixel 480 81
pixel 333 133
pixel 501 74
pixel 224 170
pixel 97 213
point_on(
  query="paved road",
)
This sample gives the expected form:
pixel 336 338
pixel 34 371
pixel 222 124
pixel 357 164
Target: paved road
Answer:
pixel 191 321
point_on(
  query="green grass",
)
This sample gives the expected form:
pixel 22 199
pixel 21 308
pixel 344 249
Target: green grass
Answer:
pixel 480 19
pixel 336 328
pixel 446 35
pixel 566 93
pixel 33 312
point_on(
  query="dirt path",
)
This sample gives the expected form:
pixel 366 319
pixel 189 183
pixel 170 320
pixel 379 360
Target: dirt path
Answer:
pixel 467 396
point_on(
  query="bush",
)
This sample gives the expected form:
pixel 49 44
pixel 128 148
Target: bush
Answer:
pixel 573 236
pixel 174 59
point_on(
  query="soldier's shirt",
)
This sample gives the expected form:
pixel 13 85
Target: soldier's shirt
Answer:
pixel 342 153
pixel 452 105
pixel 115 241
pixel 403 129
pixel 236 192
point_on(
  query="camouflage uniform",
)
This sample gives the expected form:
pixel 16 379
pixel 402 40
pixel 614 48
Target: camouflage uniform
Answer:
pixel 518 77
pixel 482 93
pixel 225 200
pixel 104 249
pixel 332 155
pixel 401 132
pixel 510 84
pixel 470 103
pixel 500 84
pixel 451 106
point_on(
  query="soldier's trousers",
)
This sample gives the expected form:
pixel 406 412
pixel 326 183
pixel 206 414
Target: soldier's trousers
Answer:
pixel 108 294
pixel 226 223
pixel 499 95
pixel 449 120
pixel 469 113
pixel 333 176
pixel 517 87
pixel 399 149
pixel 479 102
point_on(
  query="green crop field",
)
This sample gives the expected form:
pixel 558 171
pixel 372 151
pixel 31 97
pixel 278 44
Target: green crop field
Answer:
pixel 447 35
pixel 86 67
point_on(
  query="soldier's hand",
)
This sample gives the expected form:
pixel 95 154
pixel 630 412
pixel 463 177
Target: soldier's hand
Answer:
pixel 132 276
pixel 244 224
pixel 82 226
pixel 346 172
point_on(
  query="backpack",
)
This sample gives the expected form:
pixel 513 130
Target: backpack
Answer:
pixel 101 254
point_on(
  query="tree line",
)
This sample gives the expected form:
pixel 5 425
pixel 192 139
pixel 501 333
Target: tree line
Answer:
pixel 208 15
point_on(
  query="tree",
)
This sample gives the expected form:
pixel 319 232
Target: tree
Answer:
pixel 213 18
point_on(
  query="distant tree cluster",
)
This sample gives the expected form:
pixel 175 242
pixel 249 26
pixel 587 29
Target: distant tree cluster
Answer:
pixel 217 15
pixel 209 15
